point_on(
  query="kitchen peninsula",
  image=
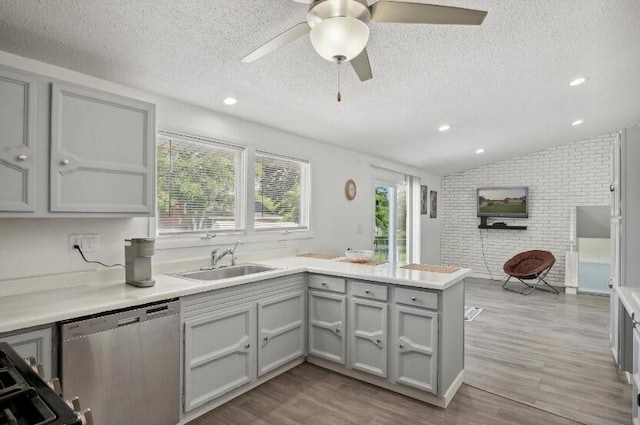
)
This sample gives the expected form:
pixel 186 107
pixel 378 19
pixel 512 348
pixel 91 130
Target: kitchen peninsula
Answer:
pixel 400 329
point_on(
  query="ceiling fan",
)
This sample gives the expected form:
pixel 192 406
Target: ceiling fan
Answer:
pixel 339 29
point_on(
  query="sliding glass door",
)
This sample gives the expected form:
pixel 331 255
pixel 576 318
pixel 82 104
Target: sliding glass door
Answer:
pixel 390 232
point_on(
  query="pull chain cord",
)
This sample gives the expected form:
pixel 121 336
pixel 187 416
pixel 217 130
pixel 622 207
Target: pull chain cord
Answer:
pixel 339 97
pixel 339 59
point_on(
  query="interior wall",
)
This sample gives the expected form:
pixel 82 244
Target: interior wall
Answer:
pixel 559 179
pixel 35 247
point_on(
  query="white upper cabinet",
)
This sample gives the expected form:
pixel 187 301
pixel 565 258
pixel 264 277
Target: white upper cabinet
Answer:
pixel 72 151
pixel 102 152
pixel 17 141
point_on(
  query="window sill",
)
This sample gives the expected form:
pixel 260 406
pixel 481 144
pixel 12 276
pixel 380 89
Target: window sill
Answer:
pixel 191 241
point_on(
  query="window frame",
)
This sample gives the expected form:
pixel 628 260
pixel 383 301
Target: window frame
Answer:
pixel 305 194
pixel 245 200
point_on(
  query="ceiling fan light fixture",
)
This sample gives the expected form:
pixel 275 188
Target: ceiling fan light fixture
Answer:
pixel 340 36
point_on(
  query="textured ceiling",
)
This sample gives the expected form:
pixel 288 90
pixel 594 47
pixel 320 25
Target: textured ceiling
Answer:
pixel 502 86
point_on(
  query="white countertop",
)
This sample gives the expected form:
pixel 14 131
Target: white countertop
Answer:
pixel 40 308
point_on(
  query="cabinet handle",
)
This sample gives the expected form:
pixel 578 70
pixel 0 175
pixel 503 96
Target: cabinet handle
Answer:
pixel 401 345
pixel 22 157
pixel 266 338
pixel 324 283
pixel 612 187
pixel 610 283
pixel 378 341
pixel 638 400
pixel 64 162
pixel 366 291
pixel 413 298
pixel 247 346
pixel 634 320
pixel 337 331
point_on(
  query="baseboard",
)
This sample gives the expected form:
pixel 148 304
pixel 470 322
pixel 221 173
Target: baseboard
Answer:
pixel 570 290
pixel 440 401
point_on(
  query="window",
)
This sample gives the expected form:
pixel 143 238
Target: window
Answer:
pixel 281 192
pixel 200 185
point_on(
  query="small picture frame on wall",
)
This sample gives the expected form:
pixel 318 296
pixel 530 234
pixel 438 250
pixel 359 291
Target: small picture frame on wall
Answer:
pixel 424 204
pixel 434 204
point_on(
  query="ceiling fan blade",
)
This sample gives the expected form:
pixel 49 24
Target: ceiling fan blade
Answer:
pixel 362 66
pixel 420 13
pixel 292 34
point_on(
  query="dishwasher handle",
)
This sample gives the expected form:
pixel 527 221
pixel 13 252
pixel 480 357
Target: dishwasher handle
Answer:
pixel 128 321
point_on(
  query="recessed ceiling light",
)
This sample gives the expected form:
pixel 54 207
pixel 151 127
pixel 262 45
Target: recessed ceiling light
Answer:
pixel 230 101
pixel 444 127
pixel 577 122
pixel 479 151
pixel 577 81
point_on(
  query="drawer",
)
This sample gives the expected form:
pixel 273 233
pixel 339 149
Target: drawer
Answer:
pixel 368 290
pixel 417 298
pixel 328 283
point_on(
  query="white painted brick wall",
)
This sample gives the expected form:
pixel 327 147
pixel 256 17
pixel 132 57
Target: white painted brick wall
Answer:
pixel 558 179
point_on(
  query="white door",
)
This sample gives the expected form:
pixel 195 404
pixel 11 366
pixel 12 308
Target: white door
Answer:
pixel 17 142
pixel 327 315
pixel 281 332
pixel 219 354
pixel 391 238
pixel 368 336
pixel 415 349
pixel 102 152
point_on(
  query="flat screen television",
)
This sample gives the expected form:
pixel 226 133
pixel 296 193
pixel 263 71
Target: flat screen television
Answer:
pixel 508 202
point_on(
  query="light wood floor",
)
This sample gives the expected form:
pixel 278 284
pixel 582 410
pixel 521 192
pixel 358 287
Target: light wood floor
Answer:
pixel 551 351
pixel 536 360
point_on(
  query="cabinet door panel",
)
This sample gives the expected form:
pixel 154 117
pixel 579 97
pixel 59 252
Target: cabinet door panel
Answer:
pixel 220 354
pixel 368 336
pixel 17 141
pixel 281 337
pixel 415 350
pixel 37 344
pixel 102 152
pixel 327 315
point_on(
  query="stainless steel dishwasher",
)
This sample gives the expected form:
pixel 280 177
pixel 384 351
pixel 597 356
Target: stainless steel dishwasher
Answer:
pixel 125 365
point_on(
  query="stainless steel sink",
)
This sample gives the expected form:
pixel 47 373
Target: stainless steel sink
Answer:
pixel 225 272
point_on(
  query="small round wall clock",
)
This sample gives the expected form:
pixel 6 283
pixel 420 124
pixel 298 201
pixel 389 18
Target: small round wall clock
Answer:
pixel 350 189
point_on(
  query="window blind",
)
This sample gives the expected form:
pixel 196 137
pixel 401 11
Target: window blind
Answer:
pixel 281 192
pixel 199 185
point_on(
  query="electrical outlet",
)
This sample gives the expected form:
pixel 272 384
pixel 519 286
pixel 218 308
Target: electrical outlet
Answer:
pixel 88 242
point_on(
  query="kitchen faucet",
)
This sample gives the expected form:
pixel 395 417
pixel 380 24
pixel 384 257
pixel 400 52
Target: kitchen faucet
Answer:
pixel 215 257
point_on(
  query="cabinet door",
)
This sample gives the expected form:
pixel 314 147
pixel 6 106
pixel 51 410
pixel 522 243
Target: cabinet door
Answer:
pixel 37 344
pixel 17 141
pixel 102 152
pixel 281 336
pixel 636 374
pixel 219 354
pixel 415 351
pixel 368 336
pixel 327 315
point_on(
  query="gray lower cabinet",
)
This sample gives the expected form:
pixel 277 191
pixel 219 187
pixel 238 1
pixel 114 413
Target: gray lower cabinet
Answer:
pixel 327 318
pixel 282 333
pixel 235 335
pixel 17 141
pixel 37 343
pixel 367 345
pixel 414 351
pixel 219 354
pixel 635 394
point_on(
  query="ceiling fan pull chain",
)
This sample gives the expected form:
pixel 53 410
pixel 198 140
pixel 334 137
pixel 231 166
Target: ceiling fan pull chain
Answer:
pixel 339 61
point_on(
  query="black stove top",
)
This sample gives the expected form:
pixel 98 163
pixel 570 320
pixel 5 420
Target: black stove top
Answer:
pixel 25 399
